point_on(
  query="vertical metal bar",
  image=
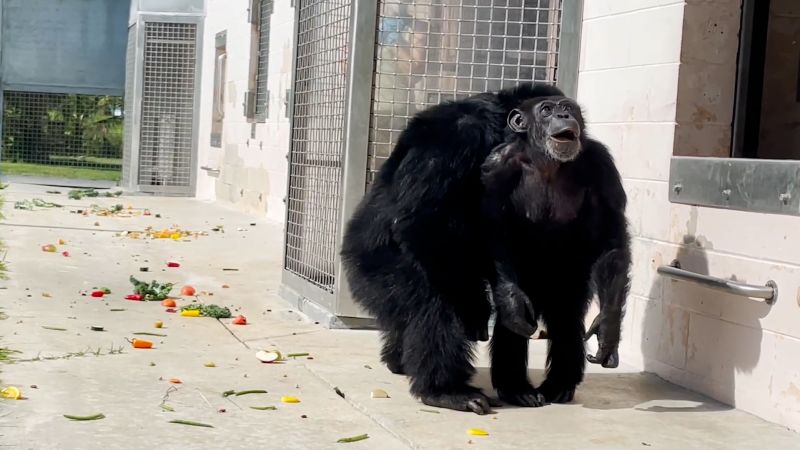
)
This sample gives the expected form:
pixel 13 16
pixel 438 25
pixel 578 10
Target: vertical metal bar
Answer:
pixel 553 28
pixel 198 83
pixel 359 101
pixel 290 113
pixel 570 47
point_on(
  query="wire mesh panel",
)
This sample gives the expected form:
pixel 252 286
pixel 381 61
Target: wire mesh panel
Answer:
pixel 262 80
pixel 62 135
pixel 429 51
pixel 130 78
pixel 315 169
pixel 167 116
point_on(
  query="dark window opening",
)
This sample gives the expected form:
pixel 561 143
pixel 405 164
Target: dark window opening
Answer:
pixel 767 112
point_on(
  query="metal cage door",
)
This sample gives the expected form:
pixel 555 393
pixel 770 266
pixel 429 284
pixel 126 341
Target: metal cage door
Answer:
pixel 317 145
pixel 169 83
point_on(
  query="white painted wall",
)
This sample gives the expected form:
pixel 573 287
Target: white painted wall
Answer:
pixel 253 171
pixel 738 351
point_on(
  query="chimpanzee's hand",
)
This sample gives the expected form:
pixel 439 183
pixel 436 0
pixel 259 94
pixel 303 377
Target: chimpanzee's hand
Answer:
pixel 515 310
pixel 607 328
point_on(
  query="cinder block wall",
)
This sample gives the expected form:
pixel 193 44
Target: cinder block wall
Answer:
pixel 656 78
pixel 253 167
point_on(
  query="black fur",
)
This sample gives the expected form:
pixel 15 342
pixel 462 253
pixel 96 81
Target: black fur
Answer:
pixel 414 252
pixel 558 228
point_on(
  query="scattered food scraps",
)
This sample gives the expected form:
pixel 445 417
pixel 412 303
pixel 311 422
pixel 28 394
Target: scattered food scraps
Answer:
pixel 228 393
pixel 477 432
pixel 268 356
pixel 117 309
pixel 296 355
pixel 11 393
pixel 239 320
pixel 65 254
pixel 154 291
pixel 191 423
pixel 287 399
pixel 173 264
pixel 264 408
pixel 54 328
pixel 214 311
pixel 78 194
pixel 46 295
pixel 338 392
pixel 136 297
pixel 167 408
pixel 191 313
pixel 188 291
pixel 430 411
pixel 159 324
pixel 97 328
pixel 210 364
pixel 168 303
pixel 62 242
pixel 346 440
pixel 49 248
pixel 175 381
pixel 30 205
pixel 98 294
pixel 141 343
pixel 379 393
pixel 145 333
pixel 83 418
pixel 167 233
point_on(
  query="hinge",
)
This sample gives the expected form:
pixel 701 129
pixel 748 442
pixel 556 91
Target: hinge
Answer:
pixel 249 104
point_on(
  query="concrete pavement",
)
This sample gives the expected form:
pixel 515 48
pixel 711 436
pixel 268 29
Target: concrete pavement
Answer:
pixel 82 372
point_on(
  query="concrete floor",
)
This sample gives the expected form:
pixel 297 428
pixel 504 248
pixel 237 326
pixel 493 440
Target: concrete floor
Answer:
pixel 614 408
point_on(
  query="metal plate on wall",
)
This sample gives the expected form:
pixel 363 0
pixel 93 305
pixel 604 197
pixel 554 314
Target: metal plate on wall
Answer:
pixel 753 185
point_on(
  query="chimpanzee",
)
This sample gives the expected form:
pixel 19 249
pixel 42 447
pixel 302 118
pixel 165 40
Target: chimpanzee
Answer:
pixel 556 209
pixel 416 251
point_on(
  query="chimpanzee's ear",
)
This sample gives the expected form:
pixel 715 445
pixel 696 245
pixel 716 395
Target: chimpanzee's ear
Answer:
pixel 516 121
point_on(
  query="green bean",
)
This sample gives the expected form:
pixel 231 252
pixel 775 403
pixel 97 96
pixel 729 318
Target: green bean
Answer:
pixel 191 423
pixel 228 393
pixel 296 355
pixel 360 437
pixel 429 411
pixel 251 391
pixel 54 328
pixel 145 333
pixel 92 417
pixel 264 408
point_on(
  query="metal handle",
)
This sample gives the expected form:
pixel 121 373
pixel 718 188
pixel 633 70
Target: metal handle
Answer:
pixel 218 87
pixel 768 292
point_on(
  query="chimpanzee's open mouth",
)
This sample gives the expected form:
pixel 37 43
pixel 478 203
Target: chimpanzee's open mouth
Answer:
pixel 566 135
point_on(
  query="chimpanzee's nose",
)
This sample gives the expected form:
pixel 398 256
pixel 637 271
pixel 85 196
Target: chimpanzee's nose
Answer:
pixel 563 115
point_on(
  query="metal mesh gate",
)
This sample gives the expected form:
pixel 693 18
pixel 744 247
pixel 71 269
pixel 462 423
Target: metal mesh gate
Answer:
pixel 315 168
pixel 62 135
pixel 429 51
pixel 167 116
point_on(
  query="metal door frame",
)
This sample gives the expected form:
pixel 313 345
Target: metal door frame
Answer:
pixel 338 307
pixel 141 20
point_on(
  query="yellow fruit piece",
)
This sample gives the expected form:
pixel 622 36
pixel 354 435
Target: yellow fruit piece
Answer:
pixel 61 242
pixel 210 364
pixel 287 399
pixel 191 313
pixel 477 432
pixel 175 236
pixel 11 393
pixel 159 324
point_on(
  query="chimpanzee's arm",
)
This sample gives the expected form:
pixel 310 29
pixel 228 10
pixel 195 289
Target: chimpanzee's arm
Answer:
pixel 500 176
pixel 611 270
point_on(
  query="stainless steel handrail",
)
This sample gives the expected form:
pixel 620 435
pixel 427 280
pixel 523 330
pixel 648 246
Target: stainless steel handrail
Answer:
pixel 768 292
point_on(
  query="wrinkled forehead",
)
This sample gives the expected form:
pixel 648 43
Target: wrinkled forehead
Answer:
pixel 529 105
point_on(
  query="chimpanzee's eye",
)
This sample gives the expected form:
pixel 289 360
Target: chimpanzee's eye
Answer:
pixel 546 110
pixel 567 108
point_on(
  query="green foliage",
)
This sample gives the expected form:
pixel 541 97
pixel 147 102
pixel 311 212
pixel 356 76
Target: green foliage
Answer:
pixel 215 311
pixel 73 125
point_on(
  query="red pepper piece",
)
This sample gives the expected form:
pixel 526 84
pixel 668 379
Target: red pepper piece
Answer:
pixel 98 294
